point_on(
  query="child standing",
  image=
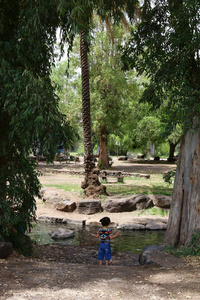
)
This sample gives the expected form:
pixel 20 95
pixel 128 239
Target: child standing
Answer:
pixel 105 235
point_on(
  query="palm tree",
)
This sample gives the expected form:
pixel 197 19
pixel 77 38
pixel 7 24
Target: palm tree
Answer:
pixel 91 184
pixel 76 18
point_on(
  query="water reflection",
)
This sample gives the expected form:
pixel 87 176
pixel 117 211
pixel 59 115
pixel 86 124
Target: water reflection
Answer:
pixel 128 240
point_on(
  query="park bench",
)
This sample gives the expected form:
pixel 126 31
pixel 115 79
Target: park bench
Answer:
pixel 114 174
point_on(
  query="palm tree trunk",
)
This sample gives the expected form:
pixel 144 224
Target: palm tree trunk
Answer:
pixel 91 185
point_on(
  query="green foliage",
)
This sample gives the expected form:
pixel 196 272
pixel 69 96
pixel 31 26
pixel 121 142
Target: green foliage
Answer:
pixel 29 116
pixel 192 249
pixel 169 176
pixel 162 150
pixel 148 129
pixel 165 45
pixel 112 90
pixel 77 16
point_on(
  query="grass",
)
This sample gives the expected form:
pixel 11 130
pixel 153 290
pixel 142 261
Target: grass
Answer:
pixel 67 187
pixel 155 212
pixel 135 185
pixel 132 185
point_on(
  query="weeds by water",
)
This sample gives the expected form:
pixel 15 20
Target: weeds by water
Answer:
pixel 192 249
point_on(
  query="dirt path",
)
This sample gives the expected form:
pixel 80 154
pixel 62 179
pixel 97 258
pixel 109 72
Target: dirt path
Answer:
pixel 22 278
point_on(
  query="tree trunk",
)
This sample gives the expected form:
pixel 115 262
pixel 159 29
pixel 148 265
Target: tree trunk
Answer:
pixel 91 185
pixel 2 179
pixel 152 149
pixel 185 207
pixel 172 148
pixel 103 154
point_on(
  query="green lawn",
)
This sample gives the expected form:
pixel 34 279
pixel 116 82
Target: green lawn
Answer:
pixel 67 187
pixel 132 185
pixel 135 185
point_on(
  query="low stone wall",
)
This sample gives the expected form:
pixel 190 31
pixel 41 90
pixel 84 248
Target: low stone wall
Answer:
pixel 75 172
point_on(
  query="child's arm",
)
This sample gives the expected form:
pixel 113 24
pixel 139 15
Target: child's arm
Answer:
pixel 113 236
pixel 95 235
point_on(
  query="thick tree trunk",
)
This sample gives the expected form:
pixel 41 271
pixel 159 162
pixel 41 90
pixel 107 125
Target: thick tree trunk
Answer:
pixel 91 185
pixel 103 154
pixel 185 207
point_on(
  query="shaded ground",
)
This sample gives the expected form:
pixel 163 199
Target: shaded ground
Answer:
pixel 137 166
pixel 22 278
pixel 72 272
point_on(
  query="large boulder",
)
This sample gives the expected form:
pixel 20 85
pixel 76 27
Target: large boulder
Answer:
pixel 128 203
pixel 62 233
pixel 6 249
pixel 89 207
pixel 52 195
pixel 148 223
pixel 131 226
pixel 161 201
pixel 67 206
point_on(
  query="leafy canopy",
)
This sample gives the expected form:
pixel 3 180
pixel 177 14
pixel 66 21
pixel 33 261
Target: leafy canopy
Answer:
pixel 29 115
pixel 165 46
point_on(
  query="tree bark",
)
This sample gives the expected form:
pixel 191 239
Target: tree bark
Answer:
pixel 184 215
pixel 103 154
pixel 172 148
pixel 91 185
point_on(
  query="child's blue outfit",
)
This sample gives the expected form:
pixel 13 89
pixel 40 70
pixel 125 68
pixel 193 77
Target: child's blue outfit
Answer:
pixel 104 245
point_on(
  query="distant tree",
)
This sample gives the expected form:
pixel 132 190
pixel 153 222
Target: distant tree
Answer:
pixel 112 90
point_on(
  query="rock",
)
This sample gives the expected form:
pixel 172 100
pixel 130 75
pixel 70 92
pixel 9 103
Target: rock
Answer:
pixel 161 201
pixel 154 254
pixel 74 222
pixel 48 219
pixel 52 196
pixel 62 233
pixel 89 207
pixel 67 206
pixel 6 249
pixel 143 202
pixel 145 256
pixel 145 223
pixel 156 226
pixel 122 158
pixel 98 224
pixel 130 203
pixel 132 226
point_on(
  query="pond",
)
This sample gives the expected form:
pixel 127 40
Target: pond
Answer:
pixel 128 240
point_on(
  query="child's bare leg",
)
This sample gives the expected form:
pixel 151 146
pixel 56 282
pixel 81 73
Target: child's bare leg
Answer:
pixel 107 262
pixel 100 262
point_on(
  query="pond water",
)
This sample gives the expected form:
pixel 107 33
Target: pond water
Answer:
pixel 128 240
